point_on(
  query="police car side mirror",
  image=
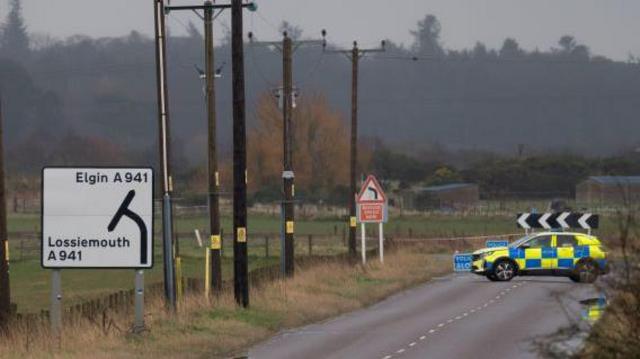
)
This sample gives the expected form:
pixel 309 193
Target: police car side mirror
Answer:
pixel 525 245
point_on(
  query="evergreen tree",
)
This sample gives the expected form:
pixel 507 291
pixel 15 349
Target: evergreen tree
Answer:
pixel 15 41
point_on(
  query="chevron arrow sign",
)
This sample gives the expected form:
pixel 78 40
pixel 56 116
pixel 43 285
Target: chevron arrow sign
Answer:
pixel 565 220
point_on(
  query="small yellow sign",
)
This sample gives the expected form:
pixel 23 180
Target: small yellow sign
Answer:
pixel 289 227
pixel 293 190
pixel 215 242
pixel 353 222
pixel 217 179
pixel 242 235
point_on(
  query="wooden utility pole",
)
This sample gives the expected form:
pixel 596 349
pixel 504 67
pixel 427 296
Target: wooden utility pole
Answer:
pixel 5 292
pixel 241 285
pixel 287 47
pixel 214 177
pixel 355 54
pixel 240 264
pixel 353 190
pixel 287 173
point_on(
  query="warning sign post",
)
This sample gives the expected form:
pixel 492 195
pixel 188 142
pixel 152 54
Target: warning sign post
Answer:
pixel 372 208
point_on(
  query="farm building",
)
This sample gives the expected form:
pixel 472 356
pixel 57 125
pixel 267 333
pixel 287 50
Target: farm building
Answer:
pixel 455 195
pixel 607 189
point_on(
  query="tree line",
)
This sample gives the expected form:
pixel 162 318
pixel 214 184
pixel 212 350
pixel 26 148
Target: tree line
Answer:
pixel 82 99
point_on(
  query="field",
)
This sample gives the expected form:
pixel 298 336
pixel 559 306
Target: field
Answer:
pixel 30 283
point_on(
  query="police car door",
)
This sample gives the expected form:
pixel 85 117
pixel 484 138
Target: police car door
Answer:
pixel 565 244
pixel 536 250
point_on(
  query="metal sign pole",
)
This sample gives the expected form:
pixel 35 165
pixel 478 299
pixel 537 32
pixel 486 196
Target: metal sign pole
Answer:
pixel 138 324
pixel 364 243
pixel 55 313
pixel 381 240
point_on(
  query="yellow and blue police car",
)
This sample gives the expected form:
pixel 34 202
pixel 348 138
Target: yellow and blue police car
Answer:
pixel 578 256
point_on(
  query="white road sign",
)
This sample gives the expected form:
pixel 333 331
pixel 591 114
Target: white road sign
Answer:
pixel 97 217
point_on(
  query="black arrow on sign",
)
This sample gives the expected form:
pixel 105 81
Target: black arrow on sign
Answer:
pixel 375 193
pixel 572 220
pixel 593 221
pixel 125 211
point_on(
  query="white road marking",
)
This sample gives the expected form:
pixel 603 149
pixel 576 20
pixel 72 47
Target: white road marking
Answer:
pixel 440 325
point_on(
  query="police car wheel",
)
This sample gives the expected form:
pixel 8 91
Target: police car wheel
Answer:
pixel 586 271
pixel 504 270
pixel 492 277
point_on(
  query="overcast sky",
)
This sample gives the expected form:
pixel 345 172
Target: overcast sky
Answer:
pixel 608 27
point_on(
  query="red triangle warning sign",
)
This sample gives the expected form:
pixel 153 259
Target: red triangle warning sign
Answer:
pixel 371 192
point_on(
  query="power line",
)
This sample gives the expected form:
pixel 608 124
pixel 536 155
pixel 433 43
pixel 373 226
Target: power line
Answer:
pixel 267 22
pixel 314 70
pixel 259 69
pixel 523 60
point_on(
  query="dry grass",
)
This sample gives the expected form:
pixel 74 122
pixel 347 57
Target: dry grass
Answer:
pixel 218 328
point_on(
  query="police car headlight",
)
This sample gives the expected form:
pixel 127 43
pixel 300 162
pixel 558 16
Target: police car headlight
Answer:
pixel 485 254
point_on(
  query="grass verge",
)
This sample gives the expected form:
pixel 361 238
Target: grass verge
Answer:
pixel 218 328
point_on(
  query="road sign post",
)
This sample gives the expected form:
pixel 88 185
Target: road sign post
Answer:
pixel 138 324
pixel 96 217
pixel 363 243
pixel 371 208
pixel 381 241
pixel 55 311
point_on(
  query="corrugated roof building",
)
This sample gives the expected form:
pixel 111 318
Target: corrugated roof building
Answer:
pixel 608 189
pixel 454 195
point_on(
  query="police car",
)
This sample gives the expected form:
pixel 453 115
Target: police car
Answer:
pixel 578 256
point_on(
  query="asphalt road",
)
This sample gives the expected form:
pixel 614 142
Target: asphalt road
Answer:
pixel 457 316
